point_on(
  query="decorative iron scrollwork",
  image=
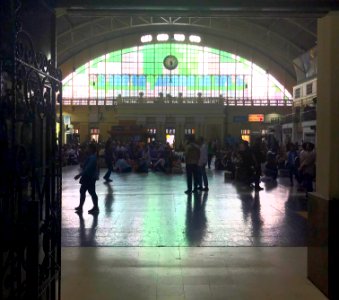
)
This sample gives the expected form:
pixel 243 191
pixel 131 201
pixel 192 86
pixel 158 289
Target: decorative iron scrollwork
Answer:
pixel 30 178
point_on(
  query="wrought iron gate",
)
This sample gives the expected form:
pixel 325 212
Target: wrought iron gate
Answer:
pixel 30 165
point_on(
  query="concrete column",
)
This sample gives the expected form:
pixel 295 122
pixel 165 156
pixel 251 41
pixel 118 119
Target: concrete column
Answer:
pixel 328 107
pixel 179 132
pixel 203 130
pixel 222 133
pixel 83 132
pixel 323 204
pixel 161 134
pixel 159 131
pixel 199 126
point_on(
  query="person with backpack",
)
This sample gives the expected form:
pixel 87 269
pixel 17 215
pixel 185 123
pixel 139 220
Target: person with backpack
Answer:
pixel 88 176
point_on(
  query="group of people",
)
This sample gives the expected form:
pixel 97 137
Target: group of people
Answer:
pixel 301 165
pixel 196 158
pixel 140 158
pixel 245 164
pixel 70 154
pixel 249 164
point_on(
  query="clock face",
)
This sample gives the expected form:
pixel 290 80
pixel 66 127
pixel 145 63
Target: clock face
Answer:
pixel 170 62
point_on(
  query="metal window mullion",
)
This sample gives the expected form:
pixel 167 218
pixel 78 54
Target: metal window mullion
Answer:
pixel 252 79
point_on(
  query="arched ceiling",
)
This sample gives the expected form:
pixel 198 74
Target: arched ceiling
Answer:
pixel 272 40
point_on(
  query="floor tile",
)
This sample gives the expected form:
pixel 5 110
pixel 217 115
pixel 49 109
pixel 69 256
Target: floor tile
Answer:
pixel 152 210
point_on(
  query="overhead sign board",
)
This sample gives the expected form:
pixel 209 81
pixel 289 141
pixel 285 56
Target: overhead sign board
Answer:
pixel 239 119
pixel 255 118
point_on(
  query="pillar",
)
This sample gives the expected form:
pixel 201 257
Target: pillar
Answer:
pixel 161 134
pixel 199 125
pixel 179 132
pixel 323 204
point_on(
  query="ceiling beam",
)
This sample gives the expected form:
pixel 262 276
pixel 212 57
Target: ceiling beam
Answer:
pixel 200 7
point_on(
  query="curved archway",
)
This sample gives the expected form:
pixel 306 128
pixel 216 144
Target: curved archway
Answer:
pixel 200 72
pixel 271 51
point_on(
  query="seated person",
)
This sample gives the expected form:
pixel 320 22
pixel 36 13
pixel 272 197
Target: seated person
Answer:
pixel 281 158
pixel 141 165
pixel 219 161
pixel 72 156
pixel 230 161
pixel 244 161
pixel 159 165
pixel 122 166
pixel 176 165
pixel 271 166
pixel 153 155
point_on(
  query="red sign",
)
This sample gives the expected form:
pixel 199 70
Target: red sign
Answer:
pixel 256 118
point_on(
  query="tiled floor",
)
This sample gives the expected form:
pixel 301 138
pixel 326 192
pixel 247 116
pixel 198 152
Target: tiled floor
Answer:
pixel 162 244
pixel 153 210
pixel 206 273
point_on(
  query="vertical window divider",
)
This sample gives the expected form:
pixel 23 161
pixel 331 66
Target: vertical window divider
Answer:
pixel 105 99
pixel 243 86
pixel 267 89
pixel 121 67
pixel 219 75
pixel 89 81
pixel 252 79
pixel 235 77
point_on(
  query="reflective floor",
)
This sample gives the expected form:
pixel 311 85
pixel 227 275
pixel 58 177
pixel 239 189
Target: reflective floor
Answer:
pixel 152 210
pixel 186 273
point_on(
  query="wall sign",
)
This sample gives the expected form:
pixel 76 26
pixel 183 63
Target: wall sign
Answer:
pixel 239 119
pixel 256 118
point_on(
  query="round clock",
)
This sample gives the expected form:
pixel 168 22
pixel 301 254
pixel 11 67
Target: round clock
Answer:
pixel 170 62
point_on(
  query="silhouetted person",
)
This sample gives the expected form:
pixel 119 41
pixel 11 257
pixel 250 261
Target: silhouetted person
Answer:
pixel 192 155
pixel 292 163
pixel 89 176
pixel 258 159
pixel 202 165
pixel 210 154
pixel 244 171
pixel 307 166
pixel 108 160
pixel 271 166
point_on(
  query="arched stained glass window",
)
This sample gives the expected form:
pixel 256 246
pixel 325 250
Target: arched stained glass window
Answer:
pixel 179 70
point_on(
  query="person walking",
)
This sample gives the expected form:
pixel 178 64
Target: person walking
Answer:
pixel 202 165
pixel 210 154
pixel 258 159
pixel 192 155
pixel 108 160
pixel 88 176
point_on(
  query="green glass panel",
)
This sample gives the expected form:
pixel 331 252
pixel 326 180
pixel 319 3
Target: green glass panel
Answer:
pixel 214 51
pixel 194 62
pixel 94 62
pixel 81 70
pixel 114 56
pixel 128 50
pixel 226 57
